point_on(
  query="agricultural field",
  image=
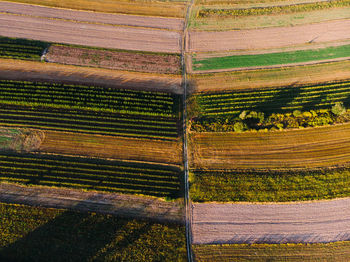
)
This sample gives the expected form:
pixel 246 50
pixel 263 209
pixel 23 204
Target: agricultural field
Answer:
pixel 91 174
pixel 250 186
pixel 114 147
pixel 114 59
pixel 337 251
pixel 45 234
pixel 271 59
pixel 275 77
pixel 224 15
pixel 14 69
pixel 289 149
pixel 173 8
pixel 89 109
pixel 17 48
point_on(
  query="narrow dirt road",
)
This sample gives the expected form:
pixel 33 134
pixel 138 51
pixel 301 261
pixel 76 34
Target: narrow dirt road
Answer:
pixel 97 35
pixel 92 17
pixel 311 222
pixel 116 204
pixel 269 37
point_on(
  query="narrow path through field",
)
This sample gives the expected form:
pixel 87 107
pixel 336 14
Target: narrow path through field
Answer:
pixel 312 222
pixel 269 37
pixel 116 204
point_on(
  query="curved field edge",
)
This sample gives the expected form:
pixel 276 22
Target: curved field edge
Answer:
pixel 153 8
pixel 270 59
pixel 43 234
pixel 289 149
pixel 336 251
pixel 276 77
pixel 250 186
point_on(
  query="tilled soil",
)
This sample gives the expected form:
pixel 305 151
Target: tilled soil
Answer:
pixel 168 64
pixel 312 222
pixel 269 37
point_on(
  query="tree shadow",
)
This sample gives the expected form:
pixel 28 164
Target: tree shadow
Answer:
pixel 74 236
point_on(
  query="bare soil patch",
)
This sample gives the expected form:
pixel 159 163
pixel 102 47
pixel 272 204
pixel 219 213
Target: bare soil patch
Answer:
pixel 88 34
pixel 36 71
pixel 289 149
pixel 269 37
pixel 150 63
pixel 116 204
pixel 313 222
pixel 167 152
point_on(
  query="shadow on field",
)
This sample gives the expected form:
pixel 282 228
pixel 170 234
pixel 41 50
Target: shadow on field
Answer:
pixel 75 236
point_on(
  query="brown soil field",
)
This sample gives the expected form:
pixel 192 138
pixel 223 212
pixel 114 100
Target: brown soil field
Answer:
pixel 96 35
pixel 312 222
pixel 251 79
pixel 335 251
pixel 112 147
pixel 301 148
pixel 138 7
pixel 269 37
pixel 92 17
pixel 131 61
pixel 37 71
pixel 116 204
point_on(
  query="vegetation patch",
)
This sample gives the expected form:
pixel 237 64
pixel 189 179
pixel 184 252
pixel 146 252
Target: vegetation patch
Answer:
pixel 89 109
pixel 18 48
pixel 272 10
pixel 250 186
pixel 43 234
pixel 91 174
pixel 272 108
pixel 269 59
pixel 337 251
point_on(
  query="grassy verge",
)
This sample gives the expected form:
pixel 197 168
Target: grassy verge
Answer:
pixel 337 251
pixel 43 234
pixel 270 59
pixel 269 186
pixel 91 174
pixel 152 8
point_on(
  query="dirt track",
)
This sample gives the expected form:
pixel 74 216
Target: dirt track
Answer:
pixel 269 37
pixel 106 36
pixel 92 17
pixel 272 223
pixel 116 204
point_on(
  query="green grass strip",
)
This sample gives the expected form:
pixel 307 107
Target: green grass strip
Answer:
pixel 269 187
pixel 300 56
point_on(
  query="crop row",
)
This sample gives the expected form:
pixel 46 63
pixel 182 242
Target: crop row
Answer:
pixel 272 100
pixel 21 48
pixel 112 176
pixel 98 123
pixel 89 97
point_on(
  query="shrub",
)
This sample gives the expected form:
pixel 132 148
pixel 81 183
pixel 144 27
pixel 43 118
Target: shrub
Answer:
pixel 338 108
pixel 240 127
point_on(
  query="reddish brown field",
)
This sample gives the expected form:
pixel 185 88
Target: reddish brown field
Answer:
pixel 131 61
pixel 302 148
pixel 167 152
